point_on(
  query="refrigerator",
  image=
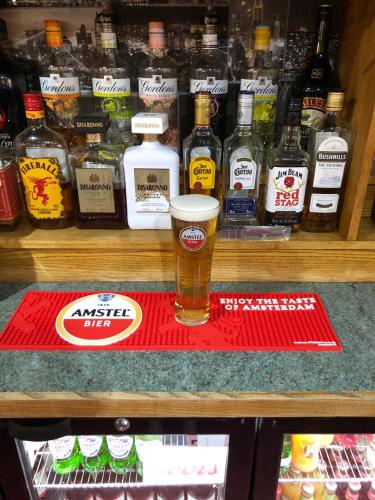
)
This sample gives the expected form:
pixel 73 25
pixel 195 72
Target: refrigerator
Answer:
pixel 126 459
pixel 314 459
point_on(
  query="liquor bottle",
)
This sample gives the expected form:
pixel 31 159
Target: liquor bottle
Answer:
pixel 151 174
pixel 59 83
pixel 65 454
pixel 330 490
pixel 157 84
pixel 202 152
pixel 122 456
pixel 291 490
pixel 209 73
pixel 111 89
pixel 42 162
pixel 10 197
pixel 353 490
pixel 329 147
pixel 93 453
pixel 261 77
pixel 242 163
pixel 98 177
pixel 287 174
pixel 318 77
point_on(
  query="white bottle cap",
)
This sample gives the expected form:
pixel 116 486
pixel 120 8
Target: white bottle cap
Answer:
pixel 150 123
pixel 194 207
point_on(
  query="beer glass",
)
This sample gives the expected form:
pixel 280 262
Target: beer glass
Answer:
pixel 194 219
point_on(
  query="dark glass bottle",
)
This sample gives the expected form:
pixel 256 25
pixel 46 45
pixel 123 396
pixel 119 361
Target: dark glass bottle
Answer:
pixel 318 77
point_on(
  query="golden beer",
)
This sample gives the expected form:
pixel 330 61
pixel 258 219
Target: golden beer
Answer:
pixel 194 218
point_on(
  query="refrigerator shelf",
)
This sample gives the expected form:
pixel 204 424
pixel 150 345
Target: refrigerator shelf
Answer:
pixel 359 468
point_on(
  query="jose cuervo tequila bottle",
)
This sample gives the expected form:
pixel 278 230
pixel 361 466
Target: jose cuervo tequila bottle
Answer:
pixel 242 163
pixel 287 173
pixel 157 83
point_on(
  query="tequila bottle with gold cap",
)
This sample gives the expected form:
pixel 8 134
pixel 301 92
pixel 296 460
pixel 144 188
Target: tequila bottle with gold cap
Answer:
pixel 329 148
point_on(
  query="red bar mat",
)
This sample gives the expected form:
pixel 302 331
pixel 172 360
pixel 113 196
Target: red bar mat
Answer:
pixel 145 321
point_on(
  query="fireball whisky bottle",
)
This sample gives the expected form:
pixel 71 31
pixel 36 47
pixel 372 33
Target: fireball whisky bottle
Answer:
pixel 287 174
pixel 42 160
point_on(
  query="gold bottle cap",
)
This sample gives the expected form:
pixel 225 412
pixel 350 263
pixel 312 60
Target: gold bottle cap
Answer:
pixel 202 109
pixel 262 37
pixel 335 101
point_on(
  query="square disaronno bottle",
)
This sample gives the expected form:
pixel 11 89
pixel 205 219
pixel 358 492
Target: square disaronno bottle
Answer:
pixel 151 174
pixel 98 177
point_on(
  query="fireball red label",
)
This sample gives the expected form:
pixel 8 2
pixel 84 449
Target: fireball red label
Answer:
pixel 99 319
pixel 193 238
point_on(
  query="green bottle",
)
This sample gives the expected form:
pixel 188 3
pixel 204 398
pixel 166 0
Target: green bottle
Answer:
pixel 93 453
pixel 122 456
pixel 142 443
pixel 65 453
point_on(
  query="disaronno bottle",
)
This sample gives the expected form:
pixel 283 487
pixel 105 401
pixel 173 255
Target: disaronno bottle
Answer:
pixel 329 148
pixel 41 155
pixel 202 152
pixel 287 174
pixel 151 174
pixel 157 83
pixel 98 177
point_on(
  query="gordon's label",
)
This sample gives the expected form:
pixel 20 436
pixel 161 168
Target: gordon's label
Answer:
pixel 62 448
pixel 286 189
pixel 324 203
pixel 157 87
pixel 41 182
pixel 330 161
pixel 58 86
pixel 98 319
pixel 152 189
pixel 90 445
pixel 265 94
pixel 95 190
pixel 111 87
pixel 193 238
pixel 202 173
pixel 209 84
pixel 119 446
pixel 243 170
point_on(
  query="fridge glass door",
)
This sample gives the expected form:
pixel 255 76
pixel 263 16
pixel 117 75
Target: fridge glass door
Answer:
pixel 327 467
pixel 126 467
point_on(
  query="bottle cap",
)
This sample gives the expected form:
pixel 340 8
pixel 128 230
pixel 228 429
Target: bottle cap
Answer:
pixel 335 101
pixel 202 109
pixel 150 123
pixel 33 103
pixel 308 490
pixel 331 487
pixel 156 35
pixel 53 33
pixel 245 107
pixel 262 37
pixel 91 123
pixel 355 486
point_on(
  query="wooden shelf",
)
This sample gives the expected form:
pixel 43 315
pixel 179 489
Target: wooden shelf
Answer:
pixel 71 254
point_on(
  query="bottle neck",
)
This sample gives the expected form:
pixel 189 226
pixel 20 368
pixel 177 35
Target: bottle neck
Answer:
pixel 333 117
pixel 157 52
pixel 322 36
pixel 150 138
pixel 36 122
pixel 290 137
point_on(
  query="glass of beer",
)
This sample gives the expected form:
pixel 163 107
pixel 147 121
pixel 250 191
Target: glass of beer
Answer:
pixel 194 218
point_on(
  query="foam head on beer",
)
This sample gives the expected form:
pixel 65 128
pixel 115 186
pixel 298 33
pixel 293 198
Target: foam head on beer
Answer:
pixel 194 207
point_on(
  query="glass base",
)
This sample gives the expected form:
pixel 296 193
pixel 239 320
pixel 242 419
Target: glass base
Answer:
pixel 191 317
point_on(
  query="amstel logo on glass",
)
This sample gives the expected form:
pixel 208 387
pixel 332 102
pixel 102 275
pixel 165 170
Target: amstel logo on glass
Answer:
pixel 99 319
pixel 193 238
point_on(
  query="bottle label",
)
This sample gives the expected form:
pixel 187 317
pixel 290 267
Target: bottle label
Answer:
pixel 210 84
pixel 108 40
pixel 152 189
pixel 286 188
pixel 192 238
pixel 119 446
pixel 62 448
pixel 42 188
pixel 95 190
pixel 6 141
pixel 240 206
pixel 209 40
pixel 10 201
pixel 202 172
pixel 330 162
pixel 324 203
pixel 313 112
pixel 111 87
pixel 56 86
pixel 90 445
pixel 243 171
pixel 157 87
pixel 264 99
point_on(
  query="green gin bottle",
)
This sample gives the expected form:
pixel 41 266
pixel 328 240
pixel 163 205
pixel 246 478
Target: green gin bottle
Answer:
pixel 65 454
pixel 93 453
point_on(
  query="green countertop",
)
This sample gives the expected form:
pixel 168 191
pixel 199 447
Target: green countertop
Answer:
pixel 351 307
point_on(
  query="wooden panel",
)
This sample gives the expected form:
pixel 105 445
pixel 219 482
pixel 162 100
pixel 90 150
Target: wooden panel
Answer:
pixel 236 404
pixel 369 201
pixel 357 72
pixel 367 230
